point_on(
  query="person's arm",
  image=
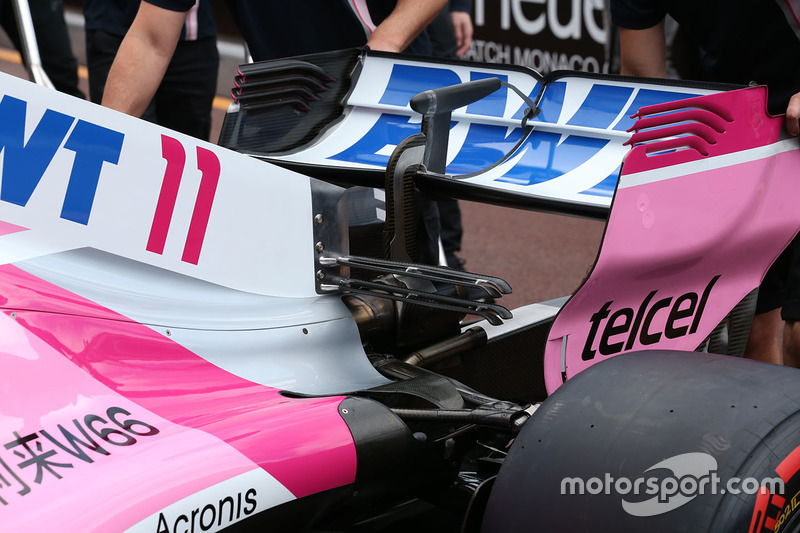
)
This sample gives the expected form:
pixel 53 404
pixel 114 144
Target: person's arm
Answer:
pixel 462 28
pixel 403 25
pixel 643 52
pixel 142 59
pixel 793 115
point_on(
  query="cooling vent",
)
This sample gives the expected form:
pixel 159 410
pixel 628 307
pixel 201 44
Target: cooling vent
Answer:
pixel 285 104
pixel 695 128
pixel 686 129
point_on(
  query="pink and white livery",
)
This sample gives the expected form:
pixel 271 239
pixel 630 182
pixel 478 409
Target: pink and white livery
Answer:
pixel 200 338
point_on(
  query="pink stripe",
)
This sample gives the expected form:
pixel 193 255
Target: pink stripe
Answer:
pixel 791 8
pixel 191 23
pixel 7 228
pixel 172 151
pixel 362 12
pixel 208 164
pixel 303 443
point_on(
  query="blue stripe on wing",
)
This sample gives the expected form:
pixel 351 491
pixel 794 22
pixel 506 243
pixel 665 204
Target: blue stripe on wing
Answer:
pixel 601 106
pixel 546 158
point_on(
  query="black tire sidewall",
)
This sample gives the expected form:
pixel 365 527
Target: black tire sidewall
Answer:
pixel 625 415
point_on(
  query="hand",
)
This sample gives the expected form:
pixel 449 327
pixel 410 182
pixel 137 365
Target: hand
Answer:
pixel 793 115
pixel 462 28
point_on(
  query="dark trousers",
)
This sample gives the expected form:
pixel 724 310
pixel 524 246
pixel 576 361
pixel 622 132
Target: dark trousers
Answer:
pixel 185 97
pixel 52 37
pixel 781 285
pixel 444 44
pixel 443 38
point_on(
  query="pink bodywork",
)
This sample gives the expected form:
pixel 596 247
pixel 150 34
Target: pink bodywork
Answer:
pixel 695 223
pixel 212 425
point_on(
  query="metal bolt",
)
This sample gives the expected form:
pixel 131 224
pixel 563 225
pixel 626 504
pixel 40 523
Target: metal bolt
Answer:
pixel 320 275
pixel 345 411
pixel 169 333
pixel 319 247
pixel 318 220
pixel 13 315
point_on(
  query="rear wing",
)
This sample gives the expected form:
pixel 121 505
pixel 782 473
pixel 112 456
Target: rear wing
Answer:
pixel 345 112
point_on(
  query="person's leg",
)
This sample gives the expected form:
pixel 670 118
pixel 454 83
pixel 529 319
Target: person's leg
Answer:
pixel 791 343
pixel 791 308
pixel 427 230
pixel 8 19
pixel 443 39
pixel 444 45
pixel 55 49
pixel 762 344
pixel 451 231
pixel 186 96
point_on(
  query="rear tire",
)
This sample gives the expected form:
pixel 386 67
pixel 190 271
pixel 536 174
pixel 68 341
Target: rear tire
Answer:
pixel 736 418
